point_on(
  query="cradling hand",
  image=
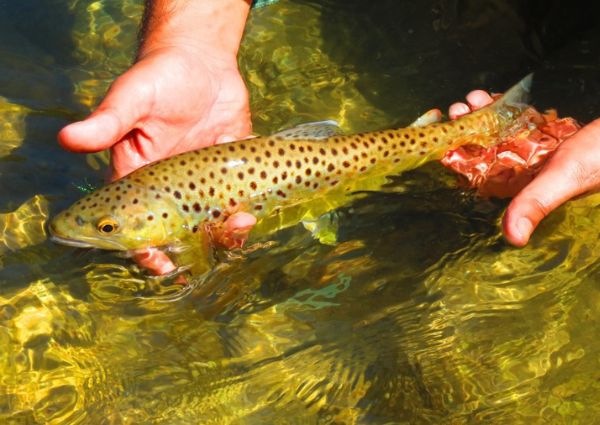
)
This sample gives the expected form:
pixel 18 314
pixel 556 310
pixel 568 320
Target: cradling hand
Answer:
pixel 573 170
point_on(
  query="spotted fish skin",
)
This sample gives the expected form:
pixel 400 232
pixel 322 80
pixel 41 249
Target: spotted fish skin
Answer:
pixel 279 181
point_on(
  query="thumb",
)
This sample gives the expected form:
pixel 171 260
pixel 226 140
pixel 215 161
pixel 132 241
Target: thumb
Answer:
pixel 557 183
pixel 118 114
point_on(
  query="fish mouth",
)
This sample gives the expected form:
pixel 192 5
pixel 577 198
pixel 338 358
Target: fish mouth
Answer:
pixel 82 243
pixel 70 242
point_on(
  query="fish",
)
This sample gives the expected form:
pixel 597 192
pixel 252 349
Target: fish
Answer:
pixel 282 179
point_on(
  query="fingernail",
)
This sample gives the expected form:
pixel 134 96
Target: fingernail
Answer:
pixel 524 227
pixel 458 109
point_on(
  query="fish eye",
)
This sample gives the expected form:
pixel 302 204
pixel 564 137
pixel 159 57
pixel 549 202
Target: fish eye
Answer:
pixel 107 225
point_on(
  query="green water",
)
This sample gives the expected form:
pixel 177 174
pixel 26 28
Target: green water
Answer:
pixel 421 314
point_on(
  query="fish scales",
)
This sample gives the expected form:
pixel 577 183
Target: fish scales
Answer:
pixel 263 174
pixel 279 181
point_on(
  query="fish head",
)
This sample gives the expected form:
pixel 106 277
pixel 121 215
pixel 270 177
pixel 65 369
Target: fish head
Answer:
pixel 123 216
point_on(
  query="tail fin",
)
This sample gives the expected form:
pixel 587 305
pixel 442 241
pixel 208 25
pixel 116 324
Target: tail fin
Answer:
pixel 515 100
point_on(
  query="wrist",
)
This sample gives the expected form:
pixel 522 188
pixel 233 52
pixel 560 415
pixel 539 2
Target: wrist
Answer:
pixel 210 27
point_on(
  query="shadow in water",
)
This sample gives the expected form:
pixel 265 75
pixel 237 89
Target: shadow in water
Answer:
pixel 38 55
pixel 444 48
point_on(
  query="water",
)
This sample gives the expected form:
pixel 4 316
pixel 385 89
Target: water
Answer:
pixel 420 314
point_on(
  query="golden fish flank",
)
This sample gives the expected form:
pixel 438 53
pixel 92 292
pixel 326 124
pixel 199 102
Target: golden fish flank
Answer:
pixel 280 181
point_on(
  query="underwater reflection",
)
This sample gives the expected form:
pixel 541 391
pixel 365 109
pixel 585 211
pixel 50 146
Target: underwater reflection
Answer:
pixel 419 314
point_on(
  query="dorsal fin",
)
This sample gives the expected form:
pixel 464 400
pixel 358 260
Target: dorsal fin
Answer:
pixel 317 130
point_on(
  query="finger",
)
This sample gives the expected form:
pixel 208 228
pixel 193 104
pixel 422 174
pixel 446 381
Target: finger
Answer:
pixel 457 110
pixel 556 184
pixel 240 221
pixel 119 112
pixel 477 99
pixel 235 230
pixel 155 261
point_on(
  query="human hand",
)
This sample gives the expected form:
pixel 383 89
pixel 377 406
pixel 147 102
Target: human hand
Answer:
pixel 184 92
pixel 169 102
pixel 174 99
pixel 573 170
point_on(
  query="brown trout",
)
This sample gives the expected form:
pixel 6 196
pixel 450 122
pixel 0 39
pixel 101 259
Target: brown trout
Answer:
pixel 282 179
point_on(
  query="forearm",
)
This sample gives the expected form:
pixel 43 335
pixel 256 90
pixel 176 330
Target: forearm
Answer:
pixel 214 26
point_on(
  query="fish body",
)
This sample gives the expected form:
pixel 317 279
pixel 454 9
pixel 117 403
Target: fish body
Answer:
pixel 280 179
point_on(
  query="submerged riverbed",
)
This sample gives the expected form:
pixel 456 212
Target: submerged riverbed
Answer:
pixel 421 313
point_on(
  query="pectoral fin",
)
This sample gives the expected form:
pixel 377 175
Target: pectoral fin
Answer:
pixel 324 228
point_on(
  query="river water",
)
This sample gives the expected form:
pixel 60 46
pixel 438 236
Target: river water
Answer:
pixel 420 314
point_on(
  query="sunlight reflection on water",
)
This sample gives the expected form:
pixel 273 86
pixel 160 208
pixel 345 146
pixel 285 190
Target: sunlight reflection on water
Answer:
pixel 419 314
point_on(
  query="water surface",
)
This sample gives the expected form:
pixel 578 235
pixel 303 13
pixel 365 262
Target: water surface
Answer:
pixel 420 314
